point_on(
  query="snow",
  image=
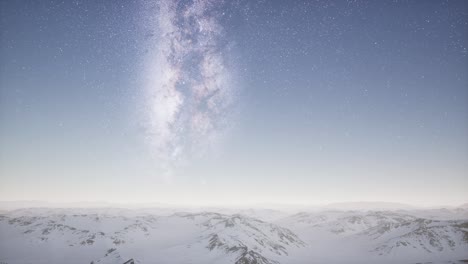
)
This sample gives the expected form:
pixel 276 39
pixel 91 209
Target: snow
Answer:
pixel 117 235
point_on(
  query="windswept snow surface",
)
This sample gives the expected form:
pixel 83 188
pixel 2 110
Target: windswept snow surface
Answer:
pixel 244 236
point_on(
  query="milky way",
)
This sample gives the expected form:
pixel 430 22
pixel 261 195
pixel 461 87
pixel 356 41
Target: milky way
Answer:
pixel 189 84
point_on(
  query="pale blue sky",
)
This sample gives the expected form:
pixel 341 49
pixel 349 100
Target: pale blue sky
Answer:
pixel 331 101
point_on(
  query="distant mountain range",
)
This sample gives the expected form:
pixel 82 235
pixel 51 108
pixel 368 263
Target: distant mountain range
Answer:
pixel 370 206
pixel 365 205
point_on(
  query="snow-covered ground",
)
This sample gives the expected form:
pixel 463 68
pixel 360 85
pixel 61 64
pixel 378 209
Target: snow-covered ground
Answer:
pixel 241 236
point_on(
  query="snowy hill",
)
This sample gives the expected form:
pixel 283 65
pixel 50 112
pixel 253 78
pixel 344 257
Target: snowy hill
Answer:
pixel 412 237
pixel 379 236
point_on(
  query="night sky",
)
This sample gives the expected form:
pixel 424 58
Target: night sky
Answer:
pixel 234 102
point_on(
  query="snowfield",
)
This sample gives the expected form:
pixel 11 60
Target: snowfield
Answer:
pixel 244 236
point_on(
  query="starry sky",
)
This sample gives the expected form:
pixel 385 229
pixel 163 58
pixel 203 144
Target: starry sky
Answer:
pixel 234 102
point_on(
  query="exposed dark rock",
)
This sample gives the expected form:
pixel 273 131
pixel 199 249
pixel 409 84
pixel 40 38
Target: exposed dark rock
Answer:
pixel 252 257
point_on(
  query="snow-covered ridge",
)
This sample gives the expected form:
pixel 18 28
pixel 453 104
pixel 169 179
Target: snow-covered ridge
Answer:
pixel 110 235
pixel 384 236
pixel 231 237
